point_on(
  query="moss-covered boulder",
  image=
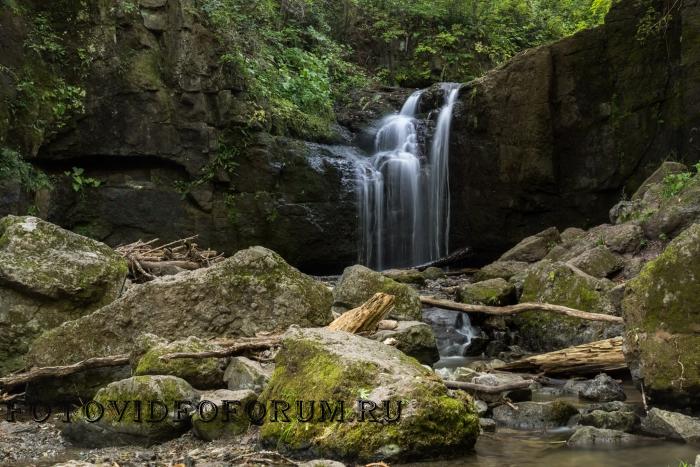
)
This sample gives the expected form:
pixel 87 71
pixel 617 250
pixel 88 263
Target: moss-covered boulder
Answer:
pixel 321 365
pixel 120 413
pixel 532 249
pixel 49 275
pixel 206 373
pixel 560 284
pixel 662 318
pixel 254 290
pixel 407 276
pixel 501 269
pixel 358 284
pixel 598 262
pixel 222 414
pixel 493 292
pixel 413 338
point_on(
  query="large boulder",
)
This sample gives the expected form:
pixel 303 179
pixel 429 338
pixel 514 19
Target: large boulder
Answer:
pixel 501 269
pixel 49 275
pixel 588 437
pixel 662 319
pixel 532 249
pixel 322 365
pixel 672 425
pixel 358 284
pixel 255 290
pixel 413 338
pixel 493 292
pixel 201 373
pixel 598 262
pixel 113 417
pixel 561 284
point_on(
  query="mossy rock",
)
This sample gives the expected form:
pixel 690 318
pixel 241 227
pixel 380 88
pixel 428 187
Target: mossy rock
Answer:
pixel 49 275
pixel 202 373
pixel 243 373
pixel 254 290
pixel 532 249
pixel 501 269
pixel 211 421
pixel 358 284
pixel 321 365
pixel 598 262
pixel 414 338
pixel 493 292
pixel 120 425
pixel 559 284
pixel 406 276
pixel 662 318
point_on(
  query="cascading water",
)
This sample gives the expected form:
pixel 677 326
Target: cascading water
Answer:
pixel 403 196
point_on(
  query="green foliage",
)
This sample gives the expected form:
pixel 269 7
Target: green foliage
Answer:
pixel 674 184
pixel 456 40
pixel 293 71
pixel 79 181
pixel 14 167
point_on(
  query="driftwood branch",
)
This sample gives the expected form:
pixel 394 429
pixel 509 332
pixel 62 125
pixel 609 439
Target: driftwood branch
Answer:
pixel 366 317
pixel 605 355
pixel 240 348
pixel 519 308
pixel 36 374
pixel 489 389
pixel 455 257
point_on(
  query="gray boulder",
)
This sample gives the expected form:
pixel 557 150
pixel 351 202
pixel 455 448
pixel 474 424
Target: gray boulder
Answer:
pixel 672 425
pixel 602 389
pixel 123 422
pixel 535 415
pixel 49 275
pixel 493 292
pixel 413 338
pixel 245 374
pixel 598 262
pixel 589 437
pixel 255 290
pixel 532 249
pixel 358 284
pixel 500 269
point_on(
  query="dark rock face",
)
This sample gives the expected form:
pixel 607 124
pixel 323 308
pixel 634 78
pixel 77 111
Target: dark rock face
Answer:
pixel 554 137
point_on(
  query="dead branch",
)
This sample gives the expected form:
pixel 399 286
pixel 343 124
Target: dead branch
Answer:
pixel 366 317
pixel 519 308
pixel 605 355
pixel 240 348
pixel 36 374
pixel 489 389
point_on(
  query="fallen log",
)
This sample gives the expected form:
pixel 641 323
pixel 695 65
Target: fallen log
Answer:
pixel 455 257
pixel 36 374
pixel 595 357
pixel 366 317
pixel 253 345
pixel 489 389
pixel 519 308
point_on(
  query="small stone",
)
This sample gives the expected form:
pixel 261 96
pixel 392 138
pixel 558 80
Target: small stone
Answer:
pixel 602 389
pixel 487 425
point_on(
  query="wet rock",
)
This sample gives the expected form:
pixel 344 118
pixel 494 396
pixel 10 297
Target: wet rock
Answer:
pixel 358 284
pixel 413 338
pixel 623 420
pixel 672 425
pixel 535 415
pixel 344 367
pixel 243 373
pixel 119 423
pixel 487 425
pixel 560 284
pixel 482 407
pixel 662 319
pixel 498 379
pixel 598 262
pixel 216 419
pixel 433 273
pixel 255 290
pixel 602 389
pixel 532 249
pixel 205 373
pixel 492 292
pixel 49 275
pixel 589 437
pixel 501 269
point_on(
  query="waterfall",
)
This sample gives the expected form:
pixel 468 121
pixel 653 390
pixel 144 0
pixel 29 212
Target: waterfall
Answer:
pixel 403 196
